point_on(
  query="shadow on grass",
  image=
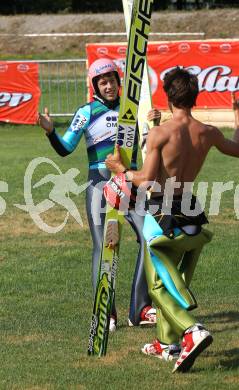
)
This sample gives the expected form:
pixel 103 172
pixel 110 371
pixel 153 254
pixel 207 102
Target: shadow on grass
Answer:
pixel 122 325
pixel 229 321
pixel 229 357
pixel 233 359
pixel 231 363
pixel 223 317
pixel 222 321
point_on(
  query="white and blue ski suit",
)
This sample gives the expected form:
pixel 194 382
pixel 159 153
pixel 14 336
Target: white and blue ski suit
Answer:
pixel 98 122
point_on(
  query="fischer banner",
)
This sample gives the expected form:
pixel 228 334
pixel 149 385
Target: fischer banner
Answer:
pixel 214 62
pixel 19 92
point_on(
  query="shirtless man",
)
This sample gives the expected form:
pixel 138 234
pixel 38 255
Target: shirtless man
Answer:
pixel 176 150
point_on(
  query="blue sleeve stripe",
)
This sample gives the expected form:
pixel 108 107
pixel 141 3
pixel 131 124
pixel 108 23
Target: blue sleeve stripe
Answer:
pixel 70 139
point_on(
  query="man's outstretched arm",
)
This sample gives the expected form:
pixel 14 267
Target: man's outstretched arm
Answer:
pixel 148 173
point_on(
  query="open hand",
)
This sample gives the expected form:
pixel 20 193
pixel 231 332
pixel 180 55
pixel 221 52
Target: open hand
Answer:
pixel 45 121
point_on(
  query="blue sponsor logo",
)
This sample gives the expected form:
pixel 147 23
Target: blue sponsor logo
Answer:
pixel 78 123
pixel 111 121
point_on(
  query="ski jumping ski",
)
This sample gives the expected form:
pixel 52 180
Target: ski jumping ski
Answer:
pixel 145 102
pixel 127 127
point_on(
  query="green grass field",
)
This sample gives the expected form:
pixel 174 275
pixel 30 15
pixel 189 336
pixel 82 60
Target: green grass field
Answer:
pixel 46 296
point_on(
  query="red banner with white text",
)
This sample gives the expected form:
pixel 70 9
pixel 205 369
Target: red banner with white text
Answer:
pixel 216 64
pixel 19 92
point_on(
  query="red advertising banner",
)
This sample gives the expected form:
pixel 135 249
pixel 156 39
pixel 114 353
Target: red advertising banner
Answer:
pixel 216 64
pixel 19 92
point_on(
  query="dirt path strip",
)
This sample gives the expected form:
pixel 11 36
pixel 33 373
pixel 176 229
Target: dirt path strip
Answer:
pixel 216 24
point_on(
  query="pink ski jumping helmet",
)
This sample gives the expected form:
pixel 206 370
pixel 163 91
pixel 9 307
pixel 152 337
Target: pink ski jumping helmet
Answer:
pixel 99 67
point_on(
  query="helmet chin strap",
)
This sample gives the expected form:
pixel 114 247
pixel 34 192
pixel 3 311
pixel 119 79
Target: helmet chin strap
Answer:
pixel 107 103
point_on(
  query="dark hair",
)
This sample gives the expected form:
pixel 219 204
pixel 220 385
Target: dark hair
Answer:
pixel 181 88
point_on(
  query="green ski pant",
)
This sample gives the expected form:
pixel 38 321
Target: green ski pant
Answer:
pixel 175 260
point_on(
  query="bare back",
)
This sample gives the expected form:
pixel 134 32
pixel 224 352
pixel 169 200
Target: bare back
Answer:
pixel 185 145
pixel 177 149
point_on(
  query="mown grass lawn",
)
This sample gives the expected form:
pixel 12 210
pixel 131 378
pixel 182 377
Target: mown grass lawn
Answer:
pixel 46 296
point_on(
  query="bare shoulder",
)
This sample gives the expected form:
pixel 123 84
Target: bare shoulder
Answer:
pixel 158 135
pixel 210 129
pixel 202 127
pixel 213 133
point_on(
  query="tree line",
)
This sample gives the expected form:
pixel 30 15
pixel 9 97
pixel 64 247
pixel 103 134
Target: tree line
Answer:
pixel 14 7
